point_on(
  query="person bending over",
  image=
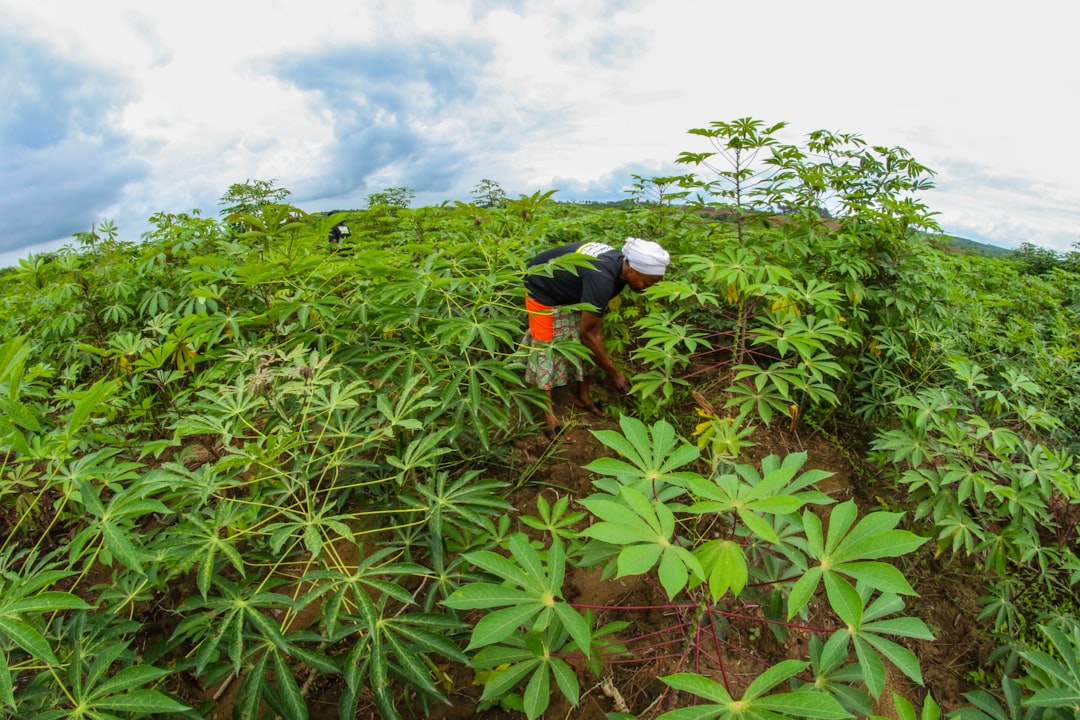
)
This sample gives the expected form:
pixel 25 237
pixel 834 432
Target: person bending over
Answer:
pixel 640 264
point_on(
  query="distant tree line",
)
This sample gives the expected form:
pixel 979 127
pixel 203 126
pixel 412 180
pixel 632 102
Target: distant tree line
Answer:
pixel 1036 260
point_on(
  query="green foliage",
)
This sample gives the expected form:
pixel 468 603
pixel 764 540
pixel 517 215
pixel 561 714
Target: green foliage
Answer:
pixel 1054 676
pixel 555 519
pixel 531 624
pixel 754 702
pixel 391 197
pixel 248 197
pixel 489 194
pixel 1035 260
pixel 852 551
pixel 645 532
pixel 279 458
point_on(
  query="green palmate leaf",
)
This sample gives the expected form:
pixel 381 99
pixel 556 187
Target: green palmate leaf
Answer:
pixel 755 703
pixel 673 571
pixel 724 563
pixel 620 533
pixel 500 624
pixel 803 704
pixel 19 414
pixel 116 540
pixel 701 686
pixel 144 702
pixel 531 609
pixel 895 653
pixel 613 467
pixel 292 702
pixel 251 689
pixel 758 526
pixel 845 549
pixel 566 680
pixel 555 519
pixel 7 686
pixel 698 712
pixel 269 629
pixel 803 590
pixel 879 575
pixel 86 402
pixel 411 667
pixel 576 626
pixel 652 459
pixel 485 595
pixel 502 567
pixel 750 495
pixel 841 518
pixel 537 694
pixel 873 669
pixel 638 559
pixel 49 601
pixel 502 682
pixel 645 531
pixel 900 627
pixel 772 677
pixel 1053 697
pixel 844 600
pixel 128 678
pixel 865 628
pixel 28 639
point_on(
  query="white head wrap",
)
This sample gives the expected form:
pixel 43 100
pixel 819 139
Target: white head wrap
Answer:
pixel 646 256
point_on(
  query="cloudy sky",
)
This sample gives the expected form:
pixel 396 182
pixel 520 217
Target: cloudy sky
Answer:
pixel 118 109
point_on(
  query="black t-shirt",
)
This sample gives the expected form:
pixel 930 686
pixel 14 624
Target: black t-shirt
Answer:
pixel 596 285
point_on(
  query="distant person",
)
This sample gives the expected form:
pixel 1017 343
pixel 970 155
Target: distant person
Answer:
pixel 640 264
pixel 337 234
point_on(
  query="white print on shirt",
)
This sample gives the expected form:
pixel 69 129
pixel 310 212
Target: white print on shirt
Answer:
pixel 594 249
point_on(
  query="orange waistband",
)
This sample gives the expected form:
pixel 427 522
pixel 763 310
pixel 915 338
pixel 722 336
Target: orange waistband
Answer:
pixel 541 321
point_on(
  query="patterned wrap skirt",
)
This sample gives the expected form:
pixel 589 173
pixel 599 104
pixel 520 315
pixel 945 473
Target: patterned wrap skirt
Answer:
pixel 545 369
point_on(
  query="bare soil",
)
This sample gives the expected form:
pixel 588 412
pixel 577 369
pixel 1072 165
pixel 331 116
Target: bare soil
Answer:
pixel 947 599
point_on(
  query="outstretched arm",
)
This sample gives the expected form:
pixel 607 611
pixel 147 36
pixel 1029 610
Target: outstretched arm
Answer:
pixel 592 337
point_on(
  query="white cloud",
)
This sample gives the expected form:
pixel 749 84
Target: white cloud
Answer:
pixel 568 91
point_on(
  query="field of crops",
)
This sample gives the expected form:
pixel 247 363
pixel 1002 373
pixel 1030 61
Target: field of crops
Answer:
pixel 248 472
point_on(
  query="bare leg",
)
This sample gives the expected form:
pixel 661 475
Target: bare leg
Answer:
pixel 582 400
pixel 549 416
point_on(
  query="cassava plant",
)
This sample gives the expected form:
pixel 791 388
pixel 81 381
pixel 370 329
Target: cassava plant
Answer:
pixel 727 552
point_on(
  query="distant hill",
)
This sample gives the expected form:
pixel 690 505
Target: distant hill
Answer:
pixel 970 247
